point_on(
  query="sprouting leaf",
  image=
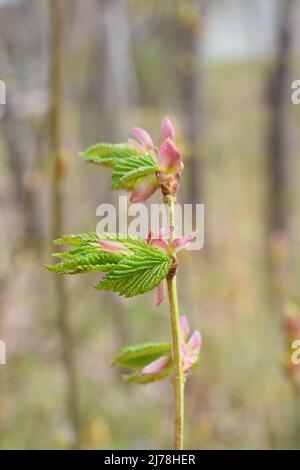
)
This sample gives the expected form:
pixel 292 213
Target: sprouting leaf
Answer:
pixel 140 378
pixel 92 239
pixel 195 365
pixel 127 172
pixel 137 273
pixel 140 355
pixel 79 239
pixel 107 154
pixel 138 269
pixel 77 252
pixel 133 243
pixel 86 261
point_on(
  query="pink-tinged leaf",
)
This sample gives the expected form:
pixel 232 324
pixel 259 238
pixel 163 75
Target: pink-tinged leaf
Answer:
pixel 157 366
pixel 167 130
pixel 184 326
pixel 143 191
pixel 181 243
pixel 163 232
pixel 151 236
pixel 113 246
pixel 143 137
pixel 187 364
pixel 160 243
pixel 195 342
pixel 189 350
pixel 169 156
pixel 189 358
pixel 193 357
pixel 184 349
pixel 160 293
pixel 133 143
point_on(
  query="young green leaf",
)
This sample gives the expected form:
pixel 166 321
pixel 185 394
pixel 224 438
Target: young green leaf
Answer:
pixel 92 239
pixel 127 172
pixel 137 273
pixel 87 255
pixel 79 239
pixel 140 355
pixel 86 262
pixel 107 154
pixel 77 252
pixel 130 242
pixel 139 378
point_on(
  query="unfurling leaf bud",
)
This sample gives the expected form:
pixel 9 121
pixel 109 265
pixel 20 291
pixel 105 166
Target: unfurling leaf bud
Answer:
pixel 139 166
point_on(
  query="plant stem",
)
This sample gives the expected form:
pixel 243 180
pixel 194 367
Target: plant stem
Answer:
pixel 178 372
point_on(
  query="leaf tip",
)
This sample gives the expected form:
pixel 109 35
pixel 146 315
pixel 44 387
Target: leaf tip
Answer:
pixel 49 267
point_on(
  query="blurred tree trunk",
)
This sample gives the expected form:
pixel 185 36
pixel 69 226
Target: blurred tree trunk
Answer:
pixel 278 155
pixel 119 85
pixel 118 93
pixel 19 126
pixel 22 148
pixel 192 18
pixel 278 102
pixel 109 91
pixel 113 89
pixel 278 169
pixel 62 301
pixel 111 82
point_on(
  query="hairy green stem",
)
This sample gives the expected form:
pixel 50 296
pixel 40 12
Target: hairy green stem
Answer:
pixel 176 349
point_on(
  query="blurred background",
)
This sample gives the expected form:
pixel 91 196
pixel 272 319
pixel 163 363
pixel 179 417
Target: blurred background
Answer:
pixel 83 71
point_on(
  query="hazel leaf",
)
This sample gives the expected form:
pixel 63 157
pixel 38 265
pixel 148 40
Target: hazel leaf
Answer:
pixel 78 239
pixel 137 273
pixel 140 355
pixel 108 154
pixel 92 239
pixel 86 262
pixel 139 378
pixel 128 172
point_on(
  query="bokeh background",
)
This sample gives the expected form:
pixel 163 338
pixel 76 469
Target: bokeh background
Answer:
pixel 83 71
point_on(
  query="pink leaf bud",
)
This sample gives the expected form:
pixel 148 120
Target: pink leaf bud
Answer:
pixel 143 191
pixel 160 293
pixel 167 129
pixel 143 137
pixel 181 243
pixel 169 156
pixel 157 366
pixel 109 245
pixel 184 326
